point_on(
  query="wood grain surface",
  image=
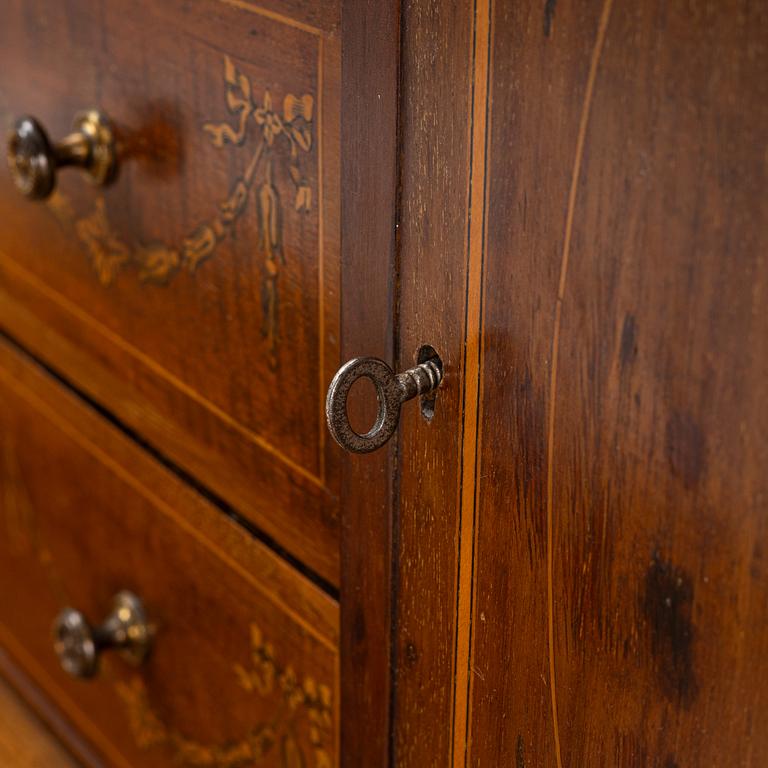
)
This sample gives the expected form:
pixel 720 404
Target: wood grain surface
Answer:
pixel 565 566
pixel 370 46
pixel 25 742
pixel 435 135
pixel 620 612
pixel 582 237
pixel 198 297
pixel 244 665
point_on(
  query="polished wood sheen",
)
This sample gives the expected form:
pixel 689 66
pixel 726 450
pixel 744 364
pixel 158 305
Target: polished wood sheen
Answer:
pixel 370 47
pixel 434 264
pixel 583 584
pixel 244 664
pixel 564 565
pixel 24 740
pixel 197 298
pixel 620 594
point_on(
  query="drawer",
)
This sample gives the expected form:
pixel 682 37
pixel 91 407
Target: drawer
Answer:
pixel 243 669
pixel 196 297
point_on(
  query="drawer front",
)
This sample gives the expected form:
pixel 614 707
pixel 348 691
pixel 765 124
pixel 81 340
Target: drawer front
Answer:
pixel 197 296
pixel 244 665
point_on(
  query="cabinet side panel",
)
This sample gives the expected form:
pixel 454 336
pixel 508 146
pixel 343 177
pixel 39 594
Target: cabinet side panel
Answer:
pixel 370 49
pixel 620 585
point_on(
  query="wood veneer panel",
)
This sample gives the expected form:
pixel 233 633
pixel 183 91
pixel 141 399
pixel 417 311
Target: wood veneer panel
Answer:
pixel 198 297
pixel 370 56
pixel 620 613
pixel 244 665
pixel 436 130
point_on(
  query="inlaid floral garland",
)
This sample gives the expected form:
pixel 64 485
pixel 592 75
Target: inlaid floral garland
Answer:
pixel 298 699
pixel 303 707
pixel 157 262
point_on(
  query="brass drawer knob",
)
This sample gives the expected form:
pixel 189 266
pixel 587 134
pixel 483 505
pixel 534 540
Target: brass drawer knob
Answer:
pixel 392 390
pixel 34 159
pixel 79 645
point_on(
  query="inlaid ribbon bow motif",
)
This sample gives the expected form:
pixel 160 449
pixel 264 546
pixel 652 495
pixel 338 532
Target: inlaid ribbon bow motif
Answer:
pixel 280 133
pixel 293 129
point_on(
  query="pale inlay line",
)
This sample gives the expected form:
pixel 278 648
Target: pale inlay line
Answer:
pixel 583 123
pixel 118 341
pixel 469 445
pixel 273 15
pixel 132 481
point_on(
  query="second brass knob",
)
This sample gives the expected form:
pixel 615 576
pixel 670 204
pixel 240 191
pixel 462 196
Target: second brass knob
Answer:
pixel 78 643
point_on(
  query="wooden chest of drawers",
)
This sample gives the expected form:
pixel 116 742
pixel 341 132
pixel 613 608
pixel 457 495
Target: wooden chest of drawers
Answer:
pixel 193 305
pixel 544 223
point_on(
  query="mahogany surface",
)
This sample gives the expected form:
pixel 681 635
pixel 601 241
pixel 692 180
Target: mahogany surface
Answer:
pixel 583 229
pixel 435 176
pixel 370 51
pixel 564 566
pixel 197 298
pixel 620 613
pixel 244 665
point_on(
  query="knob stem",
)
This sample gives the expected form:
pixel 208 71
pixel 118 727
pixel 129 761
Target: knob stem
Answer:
pixel 74 149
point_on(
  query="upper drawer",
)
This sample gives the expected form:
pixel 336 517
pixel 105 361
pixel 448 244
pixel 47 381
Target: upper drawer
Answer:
pixel 197 296
pixel 243 668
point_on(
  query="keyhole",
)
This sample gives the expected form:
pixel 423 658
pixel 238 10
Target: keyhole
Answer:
pixel 426 354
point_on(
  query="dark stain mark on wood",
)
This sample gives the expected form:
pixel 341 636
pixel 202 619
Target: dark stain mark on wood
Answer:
pixel 667 606
pixel 411 654
pixel 549 16
pixel 628 348
pixel 686 449
pixel 671 762
pixel 520 753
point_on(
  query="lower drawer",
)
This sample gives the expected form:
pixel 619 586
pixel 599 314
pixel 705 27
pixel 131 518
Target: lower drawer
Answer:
pixel 243 668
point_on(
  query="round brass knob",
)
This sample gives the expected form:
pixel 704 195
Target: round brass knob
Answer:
pixel 392 390
pixel 79 645
pixel 34 159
